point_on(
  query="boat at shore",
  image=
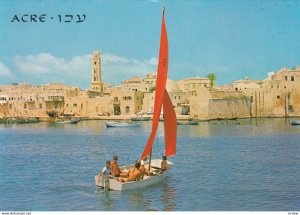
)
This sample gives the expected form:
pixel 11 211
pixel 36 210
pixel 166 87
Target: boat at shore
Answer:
pixel 188 122
pixel 295 122
pixel 19 120
pixel 67 121
pixel 121 124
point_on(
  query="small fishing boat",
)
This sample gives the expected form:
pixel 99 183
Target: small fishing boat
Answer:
pixel 188 122
pixel 121 124
pixel 70 121
pixel 295 122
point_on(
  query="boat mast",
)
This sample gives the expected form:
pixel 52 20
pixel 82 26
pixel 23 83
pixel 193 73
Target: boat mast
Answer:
pixel 149 168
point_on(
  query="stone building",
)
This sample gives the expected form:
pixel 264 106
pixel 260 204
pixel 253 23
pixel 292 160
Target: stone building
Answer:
pixel 277 95
pixel 35 101
pixel 146 84
pixel 87 104
pixel 126 102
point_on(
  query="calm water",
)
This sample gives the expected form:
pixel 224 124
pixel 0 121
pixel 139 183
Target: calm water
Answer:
pixel 238 165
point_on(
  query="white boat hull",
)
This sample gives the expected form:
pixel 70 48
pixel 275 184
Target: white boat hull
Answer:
pixel 295 122
pixel 114 184
pixel 71 121
pixel 121 124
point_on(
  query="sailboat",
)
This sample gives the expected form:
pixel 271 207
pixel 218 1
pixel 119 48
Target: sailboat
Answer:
pixel 162 99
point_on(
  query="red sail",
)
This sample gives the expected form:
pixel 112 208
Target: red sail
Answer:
pixel 161 79
pixel 170 125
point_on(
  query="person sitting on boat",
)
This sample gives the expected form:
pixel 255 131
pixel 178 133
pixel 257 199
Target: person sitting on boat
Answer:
pixel 142 170
pixel 164 164
pixel 105 173
pixel 125 173
pixel 115 170
pixel 133 175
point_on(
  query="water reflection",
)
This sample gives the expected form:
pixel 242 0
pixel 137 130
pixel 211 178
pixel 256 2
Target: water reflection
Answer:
pixel 107 199
pixel 202 129
pixel 168 195
pixel 136 198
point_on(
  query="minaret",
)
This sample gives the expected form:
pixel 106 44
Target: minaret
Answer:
pixel 96 84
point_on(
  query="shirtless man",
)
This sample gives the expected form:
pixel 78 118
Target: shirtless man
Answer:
pixel 115 170
pixel 133 175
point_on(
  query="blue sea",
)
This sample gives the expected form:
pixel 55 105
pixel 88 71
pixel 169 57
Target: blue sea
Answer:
pixel 233 165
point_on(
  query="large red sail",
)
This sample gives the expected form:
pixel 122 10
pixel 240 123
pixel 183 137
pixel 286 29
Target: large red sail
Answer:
pixel 161 79
pixel 170 125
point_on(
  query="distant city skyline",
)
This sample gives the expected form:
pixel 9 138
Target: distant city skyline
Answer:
pixel 233 39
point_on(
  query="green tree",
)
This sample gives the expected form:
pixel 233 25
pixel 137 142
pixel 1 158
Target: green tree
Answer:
pixel 212 77
pixel 152 89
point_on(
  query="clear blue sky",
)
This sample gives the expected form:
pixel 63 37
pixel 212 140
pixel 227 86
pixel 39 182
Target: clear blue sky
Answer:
pixel 233 39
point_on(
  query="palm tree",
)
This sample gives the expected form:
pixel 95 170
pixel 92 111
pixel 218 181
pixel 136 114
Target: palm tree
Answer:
pixel 212 77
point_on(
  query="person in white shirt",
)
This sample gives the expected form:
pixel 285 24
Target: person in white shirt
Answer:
pixel 104 175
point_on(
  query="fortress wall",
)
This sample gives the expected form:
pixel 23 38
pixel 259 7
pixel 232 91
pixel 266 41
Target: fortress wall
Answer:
pixel 228 108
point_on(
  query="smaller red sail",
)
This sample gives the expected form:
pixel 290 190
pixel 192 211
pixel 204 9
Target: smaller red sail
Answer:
pixel 170 125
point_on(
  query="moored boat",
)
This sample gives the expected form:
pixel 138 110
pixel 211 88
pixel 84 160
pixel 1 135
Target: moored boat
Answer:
pixel 121 124
pixel 295 122
pixel 19 120
pixel 69 121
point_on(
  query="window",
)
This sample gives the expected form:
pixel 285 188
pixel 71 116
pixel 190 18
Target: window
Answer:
pixel 278 97
pixel 127 109
pixel 74 105
pixel 286 78
pixel 25 106
pixel 127 98
pixel 40 106
pixel 292 78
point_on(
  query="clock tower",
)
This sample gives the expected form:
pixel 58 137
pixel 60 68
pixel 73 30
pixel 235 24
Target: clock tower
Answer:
pixel 96 84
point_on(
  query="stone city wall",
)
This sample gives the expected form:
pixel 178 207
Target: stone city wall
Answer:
pixel 229 108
